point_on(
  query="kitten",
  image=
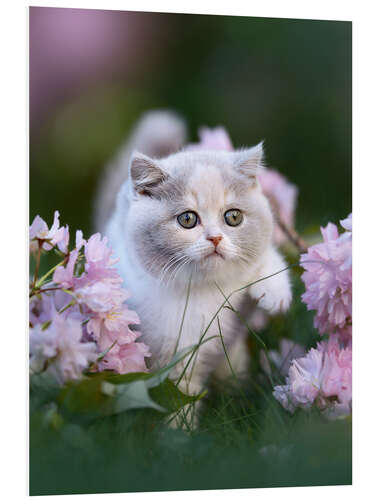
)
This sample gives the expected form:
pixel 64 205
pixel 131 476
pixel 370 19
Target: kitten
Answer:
pixel 195 217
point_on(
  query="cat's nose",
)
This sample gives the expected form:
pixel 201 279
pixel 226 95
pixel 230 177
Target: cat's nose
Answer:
pixel 215 239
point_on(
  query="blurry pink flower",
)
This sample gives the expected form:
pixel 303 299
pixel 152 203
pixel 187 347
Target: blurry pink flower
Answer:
pixel 129 358
pixel 80 241
pixel 60 345
pixel 282 195
pixel 323 377
pixel 337 373
pixel 73 356
pixel 64 276
pixel 328 282
pixel 347 223
pixel 212 139
pixel 42 347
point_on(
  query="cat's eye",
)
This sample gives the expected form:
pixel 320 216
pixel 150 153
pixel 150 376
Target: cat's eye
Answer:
pixel 233 217
pixel 188 220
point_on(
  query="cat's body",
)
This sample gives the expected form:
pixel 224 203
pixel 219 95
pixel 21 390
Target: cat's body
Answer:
pixel 228 247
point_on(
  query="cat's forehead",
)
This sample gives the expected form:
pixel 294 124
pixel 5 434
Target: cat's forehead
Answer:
pixel 206 187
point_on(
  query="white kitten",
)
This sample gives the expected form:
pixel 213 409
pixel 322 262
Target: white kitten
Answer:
pixel 199 216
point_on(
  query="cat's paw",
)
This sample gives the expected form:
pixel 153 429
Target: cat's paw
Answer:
pixel 274 294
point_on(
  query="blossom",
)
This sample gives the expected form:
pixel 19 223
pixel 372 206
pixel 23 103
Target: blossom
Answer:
pixel 99 296
pixel 281 193
pixel 42 348
pixel 113 326
pixel 323 377
pixel 65 275
pixel 282 196
pixel 60 345
pixel 282 358
pixel 129 358
pixel 212 139
pixel 347 223
pixel 71 328
pixel 50 237
pixel 328 281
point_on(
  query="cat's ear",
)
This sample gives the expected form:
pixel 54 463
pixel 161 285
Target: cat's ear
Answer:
pixel 145 173
pixel 249 161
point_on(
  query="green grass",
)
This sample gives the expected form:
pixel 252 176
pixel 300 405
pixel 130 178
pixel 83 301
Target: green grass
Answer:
pixel 244 439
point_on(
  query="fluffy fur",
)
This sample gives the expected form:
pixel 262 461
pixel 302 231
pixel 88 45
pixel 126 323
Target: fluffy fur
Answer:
pixel 158 257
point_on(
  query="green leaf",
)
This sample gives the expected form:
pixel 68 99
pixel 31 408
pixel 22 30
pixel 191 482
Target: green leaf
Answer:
pixel 134 395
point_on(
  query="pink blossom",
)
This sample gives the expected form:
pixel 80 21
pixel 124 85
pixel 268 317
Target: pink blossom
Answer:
pixel 64 276
pixel 212 139
pixel 99 296
pixel 50 237
pixel 328 282
pixel 67 335
pixel 347 223
pixel 282 195
pixel 323 377
pixel 98 252
pixel 80 241
pixel 113 326
pixel 129 358
pixel 60 345
pixel 42 348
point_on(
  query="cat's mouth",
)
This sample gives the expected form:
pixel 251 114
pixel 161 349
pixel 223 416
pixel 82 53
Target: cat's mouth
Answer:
pixel 214 254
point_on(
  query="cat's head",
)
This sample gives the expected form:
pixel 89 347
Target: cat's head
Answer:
pixel 198 212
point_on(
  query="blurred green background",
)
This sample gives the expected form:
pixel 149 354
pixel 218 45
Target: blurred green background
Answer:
pixel 92 74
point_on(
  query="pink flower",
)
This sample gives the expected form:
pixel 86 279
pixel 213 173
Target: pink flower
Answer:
pixel 282 195
pixel 51 237
pixel 129 358
pixel 323 377
pixel 99 296
pixel 212 139
pixel 42 348
pixel 328 282
pixel 347 223
pixel 98 252
pixel 69 329
pixel 60 345
pixel 80 241
pixel 113 326
pixel 64 276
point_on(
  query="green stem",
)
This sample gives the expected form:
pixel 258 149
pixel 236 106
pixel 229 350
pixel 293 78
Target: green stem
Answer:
pixel 48 273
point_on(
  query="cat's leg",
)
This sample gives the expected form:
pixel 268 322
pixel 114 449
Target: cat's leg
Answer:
pixel 192 380
pixel 273 293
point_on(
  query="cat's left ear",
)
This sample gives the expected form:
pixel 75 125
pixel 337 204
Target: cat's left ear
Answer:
pixel 249 161
pixel 145 173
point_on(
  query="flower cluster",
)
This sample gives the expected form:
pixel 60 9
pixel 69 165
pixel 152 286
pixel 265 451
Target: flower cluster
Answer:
pixel 324 376
pixel 281 193
pixel 79 318
pixel 328 280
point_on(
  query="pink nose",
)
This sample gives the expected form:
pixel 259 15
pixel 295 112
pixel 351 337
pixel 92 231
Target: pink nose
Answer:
pixel 215 239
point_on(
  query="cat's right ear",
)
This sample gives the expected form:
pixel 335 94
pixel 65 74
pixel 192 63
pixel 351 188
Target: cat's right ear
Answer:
pixel 145 174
